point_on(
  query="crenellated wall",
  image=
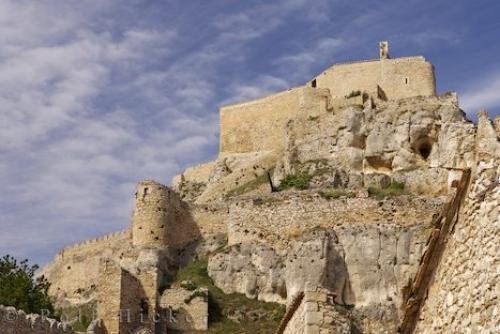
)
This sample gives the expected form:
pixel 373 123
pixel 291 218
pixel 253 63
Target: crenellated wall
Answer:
pixel 76 268
pixel 14 321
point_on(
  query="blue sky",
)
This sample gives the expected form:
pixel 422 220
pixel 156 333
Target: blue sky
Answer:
pixel 96 95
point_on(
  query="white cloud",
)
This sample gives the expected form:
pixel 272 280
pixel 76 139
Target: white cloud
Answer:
pixel 322 51
pixel 262 85
pixel 482 94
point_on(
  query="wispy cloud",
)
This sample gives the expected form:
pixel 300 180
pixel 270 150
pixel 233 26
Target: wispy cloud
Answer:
pixel 322 51
pixel 482 94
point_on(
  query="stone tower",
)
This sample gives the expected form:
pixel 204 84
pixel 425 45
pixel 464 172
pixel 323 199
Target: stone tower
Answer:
pixel 383 49
pixel 155 205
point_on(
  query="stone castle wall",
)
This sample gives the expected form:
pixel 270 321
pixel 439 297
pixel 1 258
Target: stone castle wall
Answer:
pixel 279 218
pixel 397 78
pixel 463 297
pixel 77 267
pixel 14 321
pixel 259 125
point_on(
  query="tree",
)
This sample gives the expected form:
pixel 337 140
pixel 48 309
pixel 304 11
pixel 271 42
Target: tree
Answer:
pixel 20 288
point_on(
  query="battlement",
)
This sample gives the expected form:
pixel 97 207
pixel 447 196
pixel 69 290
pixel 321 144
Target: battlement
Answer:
pixel 92 243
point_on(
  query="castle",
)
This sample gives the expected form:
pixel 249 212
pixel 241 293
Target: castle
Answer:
pixel 335 254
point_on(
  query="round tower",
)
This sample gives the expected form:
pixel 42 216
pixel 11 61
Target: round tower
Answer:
pixel 153 204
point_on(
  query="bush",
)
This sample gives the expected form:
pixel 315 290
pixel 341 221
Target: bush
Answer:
pixel 20 288
pixel 394 188
pixel 298 181
pixel 334 193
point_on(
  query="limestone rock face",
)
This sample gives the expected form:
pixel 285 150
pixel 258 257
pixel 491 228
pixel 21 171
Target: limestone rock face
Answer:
pixel 255 270
pixel 365 267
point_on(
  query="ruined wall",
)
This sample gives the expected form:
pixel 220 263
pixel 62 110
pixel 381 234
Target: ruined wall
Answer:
pixel 186 310
pixel 259 125
pixel 463 296
pixel 127 301
pixel 318 314
pixel 398 78
pixel 14 321
pixel 280 217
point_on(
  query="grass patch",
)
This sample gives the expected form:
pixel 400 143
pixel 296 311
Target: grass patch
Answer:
pixel 249 186
pixel 336 193
pixel 298 181
pixel 220 305
pixel 80 317
pixel 394 188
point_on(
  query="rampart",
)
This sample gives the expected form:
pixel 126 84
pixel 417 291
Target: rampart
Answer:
pixel 96 243
pixel 259 125
pixel 14 321
pixel 386 78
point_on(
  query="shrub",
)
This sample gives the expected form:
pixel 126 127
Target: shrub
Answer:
pixel 335 193
pixel 20 288
pixel 298 181
pixel 394 188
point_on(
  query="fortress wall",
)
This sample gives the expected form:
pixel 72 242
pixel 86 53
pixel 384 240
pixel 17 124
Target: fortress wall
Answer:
pixel 463 297
pixel 278 220
pixel 210 219
pixel 389 74
pixel 14 321
pixel 77 267
pixel 259 125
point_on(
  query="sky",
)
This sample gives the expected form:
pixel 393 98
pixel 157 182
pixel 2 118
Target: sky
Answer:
pixel 96 95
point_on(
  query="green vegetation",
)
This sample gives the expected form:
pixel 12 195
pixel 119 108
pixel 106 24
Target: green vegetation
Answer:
pixel 313 118
pixel 196 293
pixel 249 186
pixel 353 94
pixel 298 181
pixel 394 188
pixel 80 317
pixel 20 288
pixel 221 306
pixel 336 193
pixel 188 285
